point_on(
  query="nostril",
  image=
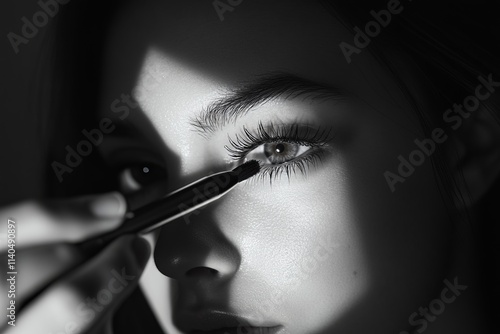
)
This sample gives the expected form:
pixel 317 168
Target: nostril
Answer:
pixel 202 272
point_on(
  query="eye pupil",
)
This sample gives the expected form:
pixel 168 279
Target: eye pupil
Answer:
pixel 145 170
pixel 279 148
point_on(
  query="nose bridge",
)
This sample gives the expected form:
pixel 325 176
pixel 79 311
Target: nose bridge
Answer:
pixel 196 248
pixel 200 164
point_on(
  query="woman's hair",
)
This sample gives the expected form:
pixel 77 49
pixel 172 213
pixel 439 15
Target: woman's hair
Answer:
pixel 450 42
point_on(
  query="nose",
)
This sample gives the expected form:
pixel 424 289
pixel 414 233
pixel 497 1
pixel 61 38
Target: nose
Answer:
pixel 195 249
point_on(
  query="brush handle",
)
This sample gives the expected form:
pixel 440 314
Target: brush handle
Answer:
pixel 154 215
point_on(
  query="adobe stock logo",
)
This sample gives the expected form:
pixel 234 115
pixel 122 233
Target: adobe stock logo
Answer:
pixel 436 307
pixel 372 29
pixel 225 6
pixel 30 29
pixel 454 116
pixel 93 137
pixel 87 310
pixel 152 79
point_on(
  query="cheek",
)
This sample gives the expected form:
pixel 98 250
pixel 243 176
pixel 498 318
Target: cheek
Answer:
pixel 406 233
pixel 340 238
pixel 404 228
pixel 300 248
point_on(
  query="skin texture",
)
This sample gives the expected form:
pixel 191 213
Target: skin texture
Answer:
pixel 312 254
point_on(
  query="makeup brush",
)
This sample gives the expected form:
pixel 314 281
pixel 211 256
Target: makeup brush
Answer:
pixel 177 204
pixel 151 216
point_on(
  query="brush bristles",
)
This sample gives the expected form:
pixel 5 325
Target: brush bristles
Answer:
pixel 247 170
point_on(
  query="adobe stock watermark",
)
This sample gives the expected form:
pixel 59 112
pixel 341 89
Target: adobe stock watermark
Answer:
pixel 11 273
pixel 372 29
pixel 209 192
pixel 308 267
pixel 93 138
pixel 436 307
pixel 30 28
pixel 87 310
pixel 427 146
pixel 222 6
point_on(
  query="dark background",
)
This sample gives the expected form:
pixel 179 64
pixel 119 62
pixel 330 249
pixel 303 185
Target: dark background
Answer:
pixel 21 171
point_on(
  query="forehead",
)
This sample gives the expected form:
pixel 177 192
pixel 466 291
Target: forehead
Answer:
pixel 178 56
pixel 255 37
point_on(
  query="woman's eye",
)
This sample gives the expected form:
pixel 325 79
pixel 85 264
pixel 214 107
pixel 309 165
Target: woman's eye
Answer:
pixel 137 176
pixel 281 149
pixel 276 153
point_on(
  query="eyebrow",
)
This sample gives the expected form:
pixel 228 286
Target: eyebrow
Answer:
pixel 239 101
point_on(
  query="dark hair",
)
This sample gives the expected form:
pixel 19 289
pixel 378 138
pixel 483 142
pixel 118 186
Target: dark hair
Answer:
pixel 452 43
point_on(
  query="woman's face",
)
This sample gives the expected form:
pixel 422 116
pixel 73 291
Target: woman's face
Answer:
pixel 316 242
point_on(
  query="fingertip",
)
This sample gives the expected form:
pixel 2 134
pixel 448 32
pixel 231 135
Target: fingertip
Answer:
pixel 109 205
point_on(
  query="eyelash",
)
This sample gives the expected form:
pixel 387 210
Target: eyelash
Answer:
pixel 300 134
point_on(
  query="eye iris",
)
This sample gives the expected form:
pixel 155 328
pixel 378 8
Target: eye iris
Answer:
pixel 278 153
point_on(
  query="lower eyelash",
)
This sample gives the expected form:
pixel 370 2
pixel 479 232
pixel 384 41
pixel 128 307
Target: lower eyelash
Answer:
pixel 291 167
pixel 296 133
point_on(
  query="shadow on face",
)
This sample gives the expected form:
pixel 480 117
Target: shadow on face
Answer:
pixel 311 254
